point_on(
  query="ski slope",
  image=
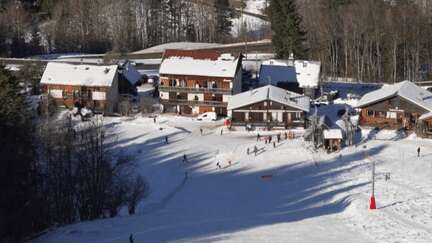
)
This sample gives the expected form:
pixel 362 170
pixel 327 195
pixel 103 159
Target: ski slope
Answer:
pixel 285 194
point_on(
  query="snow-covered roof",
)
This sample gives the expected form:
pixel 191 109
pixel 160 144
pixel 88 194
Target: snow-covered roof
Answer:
pixel 79 75
pixel 224 67
pixel 272 93
pixel 178 45
pixel 308 73
pixel 333 134
pixel 305 73
pixel 406 89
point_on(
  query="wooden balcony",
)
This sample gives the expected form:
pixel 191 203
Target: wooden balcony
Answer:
pixel 195 102
pixel 195 90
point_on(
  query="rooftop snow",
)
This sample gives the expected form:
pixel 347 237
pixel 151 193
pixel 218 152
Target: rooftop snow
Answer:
pixel 333 134
pixel 306 73
pixel 405 89
pixel 272 93
pixel 224 68
pixel 79 75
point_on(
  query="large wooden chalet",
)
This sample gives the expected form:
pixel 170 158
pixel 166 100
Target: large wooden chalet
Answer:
pixel 195 82
pixel 92 86
pixel 268 106
pixel 401 105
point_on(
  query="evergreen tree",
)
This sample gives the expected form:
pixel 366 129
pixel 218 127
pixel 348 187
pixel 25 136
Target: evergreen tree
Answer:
pixel 288 35
pixel 19 204
pixel 223 19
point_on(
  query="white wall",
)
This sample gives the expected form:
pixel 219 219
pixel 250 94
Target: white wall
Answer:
pixel 164 95
pixel 225 98
pixel 192 97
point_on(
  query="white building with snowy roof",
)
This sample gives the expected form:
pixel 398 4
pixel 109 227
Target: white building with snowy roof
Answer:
pixel 90 86
pixel 400 105
pixel 199 81
pixel 269 106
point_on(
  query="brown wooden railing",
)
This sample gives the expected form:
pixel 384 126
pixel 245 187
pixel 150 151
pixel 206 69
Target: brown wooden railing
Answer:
pixel 195 102
pixel 195 90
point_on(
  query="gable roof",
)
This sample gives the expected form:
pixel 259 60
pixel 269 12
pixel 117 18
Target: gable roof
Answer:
pixel 333 134
pixel 196 54
pixel 272 93
pixel 225 66
pixel 305 73
pixel 406 89
pixel 79 75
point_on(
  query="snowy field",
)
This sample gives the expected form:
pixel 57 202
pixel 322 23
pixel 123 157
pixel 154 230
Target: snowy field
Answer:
pixel 284 194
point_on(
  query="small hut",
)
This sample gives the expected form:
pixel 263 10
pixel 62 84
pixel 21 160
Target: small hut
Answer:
pixel 333 139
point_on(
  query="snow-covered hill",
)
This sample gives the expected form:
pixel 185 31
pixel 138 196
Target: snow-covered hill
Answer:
pixel 250 22
pixel 287 193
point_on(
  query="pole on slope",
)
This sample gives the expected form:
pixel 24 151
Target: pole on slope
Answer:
pixel 372 203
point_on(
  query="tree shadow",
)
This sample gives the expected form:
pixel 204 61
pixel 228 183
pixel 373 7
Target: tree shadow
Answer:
pixel 213 202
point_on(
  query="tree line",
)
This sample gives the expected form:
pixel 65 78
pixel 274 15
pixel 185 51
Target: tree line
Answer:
pixel 367 40
pixel 54 171
pixel 98 26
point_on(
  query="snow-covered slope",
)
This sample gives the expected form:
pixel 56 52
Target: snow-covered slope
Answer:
pixel 288 193
pixel 250 22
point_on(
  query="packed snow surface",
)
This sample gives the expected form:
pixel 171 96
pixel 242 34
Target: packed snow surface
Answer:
pixel 290 193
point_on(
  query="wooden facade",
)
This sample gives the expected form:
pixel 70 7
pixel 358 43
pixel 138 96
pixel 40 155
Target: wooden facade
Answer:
pixel 269 114
pixel 84 96
pixel 194 94
pixel 394 112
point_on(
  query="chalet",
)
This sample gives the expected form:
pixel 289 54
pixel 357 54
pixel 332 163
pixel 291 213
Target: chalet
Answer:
pixel 82 85
pixel 268 106
pixel 298 76
pixel 395 106
pixel 195 82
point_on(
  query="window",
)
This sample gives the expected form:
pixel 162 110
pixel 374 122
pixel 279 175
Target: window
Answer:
pixel 265 103
pixel 196 97
pixel 370 113
pixel 381 114
pixel 391 115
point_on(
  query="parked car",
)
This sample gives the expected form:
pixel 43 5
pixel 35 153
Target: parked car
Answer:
pixel 208 116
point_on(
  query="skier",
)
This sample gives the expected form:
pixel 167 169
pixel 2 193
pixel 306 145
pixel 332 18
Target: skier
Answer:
pixel 229 162
pixel 247 151
pixel 278 137
pixel 255 150
pixel 201 131
pixel 131 239
pixel 286 135
pixel 154 119
pixel 274 144
pixel 258 137
pixel 418 152
pixel 270 139
pixel 166 139
pixel 185 158
pixel 221 131
pixel 218 165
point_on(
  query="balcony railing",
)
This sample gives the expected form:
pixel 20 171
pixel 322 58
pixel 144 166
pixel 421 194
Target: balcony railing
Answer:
pixel 195 90
pixel 195 102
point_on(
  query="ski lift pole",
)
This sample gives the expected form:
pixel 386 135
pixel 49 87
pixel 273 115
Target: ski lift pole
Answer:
pixel 372 203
